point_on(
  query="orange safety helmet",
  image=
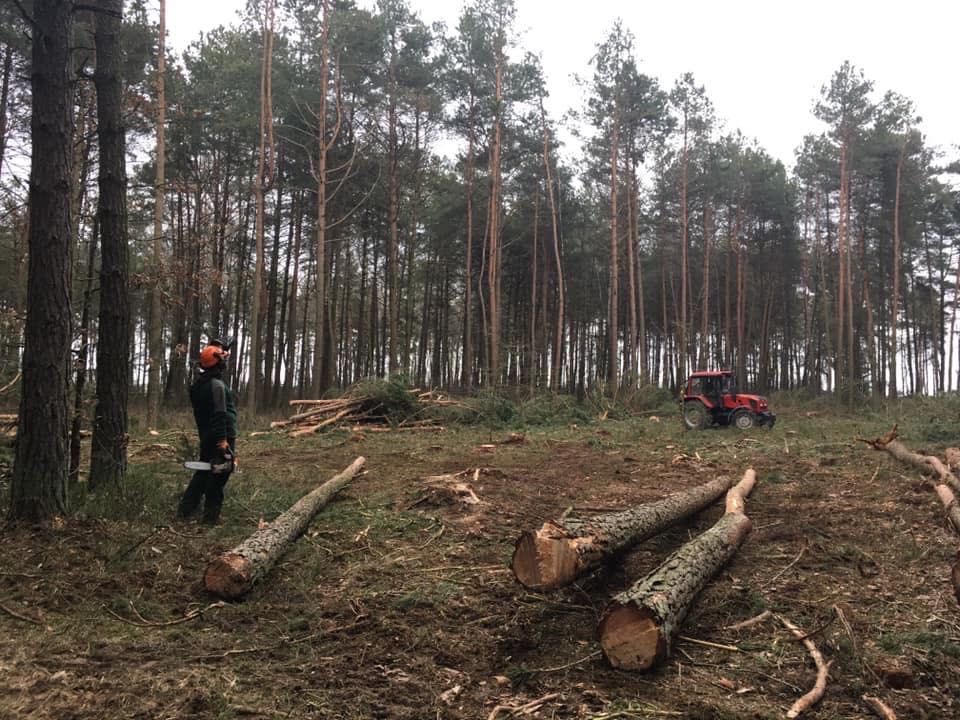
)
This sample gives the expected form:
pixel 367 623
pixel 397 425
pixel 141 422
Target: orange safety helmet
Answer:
pixel 212 356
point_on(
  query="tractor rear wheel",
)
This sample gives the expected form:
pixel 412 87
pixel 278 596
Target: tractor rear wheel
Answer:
pixel 743 419
pixel 694 415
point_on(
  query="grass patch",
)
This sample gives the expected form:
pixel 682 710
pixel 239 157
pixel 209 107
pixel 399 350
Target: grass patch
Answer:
pixel 936 643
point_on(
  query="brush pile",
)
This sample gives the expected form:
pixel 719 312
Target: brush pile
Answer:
pixel 369 407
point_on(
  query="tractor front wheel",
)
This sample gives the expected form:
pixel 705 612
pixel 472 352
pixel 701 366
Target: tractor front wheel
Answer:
pixel 694 415
pixel 743 419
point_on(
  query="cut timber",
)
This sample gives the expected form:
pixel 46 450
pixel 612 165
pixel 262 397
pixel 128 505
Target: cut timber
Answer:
pixel 945 489
pixel 232 574
pixel 929 464
pixel 560 552
pixel 637 628
pixel 952 509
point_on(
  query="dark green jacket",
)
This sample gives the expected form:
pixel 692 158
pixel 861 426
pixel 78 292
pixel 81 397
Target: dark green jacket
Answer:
pixel 214 409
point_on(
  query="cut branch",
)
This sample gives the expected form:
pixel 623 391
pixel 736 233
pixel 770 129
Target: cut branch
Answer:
pixel 929 464
pixel 561 551
pixel 820 686
pixel 637 629
pixel 232 574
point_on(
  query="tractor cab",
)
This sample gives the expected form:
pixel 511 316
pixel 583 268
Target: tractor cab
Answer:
pixel 711 398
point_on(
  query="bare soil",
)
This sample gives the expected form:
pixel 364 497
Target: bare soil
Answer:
pixel 399 602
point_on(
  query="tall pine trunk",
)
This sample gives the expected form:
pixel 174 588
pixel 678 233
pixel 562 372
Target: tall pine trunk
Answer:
pixel 108 455
pixel 39 482
pixel 155 316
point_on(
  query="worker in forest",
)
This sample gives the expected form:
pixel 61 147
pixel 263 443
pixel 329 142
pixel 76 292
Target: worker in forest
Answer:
pixel 215 411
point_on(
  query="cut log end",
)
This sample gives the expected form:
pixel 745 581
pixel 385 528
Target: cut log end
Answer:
pixel 228 576
pixel 545 559
pixel 631 638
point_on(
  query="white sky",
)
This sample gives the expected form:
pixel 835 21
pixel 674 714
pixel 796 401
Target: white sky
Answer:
pixel 762 62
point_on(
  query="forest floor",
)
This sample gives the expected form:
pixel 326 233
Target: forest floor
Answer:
pixel 398 604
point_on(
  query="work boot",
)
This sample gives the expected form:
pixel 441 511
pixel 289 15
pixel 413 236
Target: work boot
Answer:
pixel 211 515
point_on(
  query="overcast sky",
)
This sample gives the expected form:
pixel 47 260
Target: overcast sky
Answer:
pixel 762 62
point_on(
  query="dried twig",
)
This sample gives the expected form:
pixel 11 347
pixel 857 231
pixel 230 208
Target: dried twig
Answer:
pixel 18 616
pixel 879 707
pixel 820 686
pixel 147 623
pixel 790 565
pixel 755 620
pixel 526 709
pixel 705 643
pixel 569 664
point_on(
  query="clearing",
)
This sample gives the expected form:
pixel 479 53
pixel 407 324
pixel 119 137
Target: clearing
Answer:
pixel 399 601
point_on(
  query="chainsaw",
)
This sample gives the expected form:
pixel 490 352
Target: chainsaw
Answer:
pixel 215 468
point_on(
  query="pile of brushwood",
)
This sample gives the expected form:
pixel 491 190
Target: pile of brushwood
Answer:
pixel 369 407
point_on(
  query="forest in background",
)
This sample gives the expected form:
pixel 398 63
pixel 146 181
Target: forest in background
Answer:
pixel 351 193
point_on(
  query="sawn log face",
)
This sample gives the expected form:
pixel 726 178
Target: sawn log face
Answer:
pixel 637 628
pixel 559 553
pixel 232 574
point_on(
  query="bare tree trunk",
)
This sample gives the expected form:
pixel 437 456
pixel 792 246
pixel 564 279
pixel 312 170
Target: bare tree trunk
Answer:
pixel 7 73
pixel 108 454
pixel 705 318
pixel 684 252
pixel 326 139
pixel 155 344
pixel 555 233
pixel 466 375
pixel 262 183
pixel 613 294
pixel 39 482
pixel 493 225
pixel 393 211
pixel 83 353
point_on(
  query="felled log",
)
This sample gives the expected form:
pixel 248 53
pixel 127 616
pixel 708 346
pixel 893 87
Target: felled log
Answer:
pixel 638 627
pixel 929 464
pixel 560 552
pixel 945 489
pixel 232 574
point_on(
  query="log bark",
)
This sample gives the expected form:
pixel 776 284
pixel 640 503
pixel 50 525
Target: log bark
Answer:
pixel 560 552
pixel 929 464
pixel 945 489
pixel 232 574
pixel 638 627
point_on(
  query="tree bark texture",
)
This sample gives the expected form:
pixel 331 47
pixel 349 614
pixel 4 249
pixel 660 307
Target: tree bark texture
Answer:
pixel 108 465
pixel 39 482
pixel 232 574
pixel 155 318
pixel 560 552
pixel 928 464
pixel 638 627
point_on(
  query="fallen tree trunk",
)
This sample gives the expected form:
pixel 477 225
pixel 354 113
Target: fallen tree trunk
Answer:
pixel 928 464
pixel 232 574
pixel 560 552
pixel 945 489
pixel 637 628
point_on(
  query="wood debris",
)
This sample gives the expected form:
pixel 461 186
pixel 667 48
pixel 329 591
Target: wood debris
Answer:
pixel 363 413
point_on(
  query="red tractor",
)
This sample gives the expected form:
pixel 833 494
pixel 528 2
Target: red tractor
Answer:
pixel 711 398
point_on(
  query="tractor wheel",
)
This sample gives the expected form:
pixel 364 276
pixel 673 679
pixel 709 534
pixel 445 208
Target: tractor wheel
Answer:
pixel 694 415
pixel 743 419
